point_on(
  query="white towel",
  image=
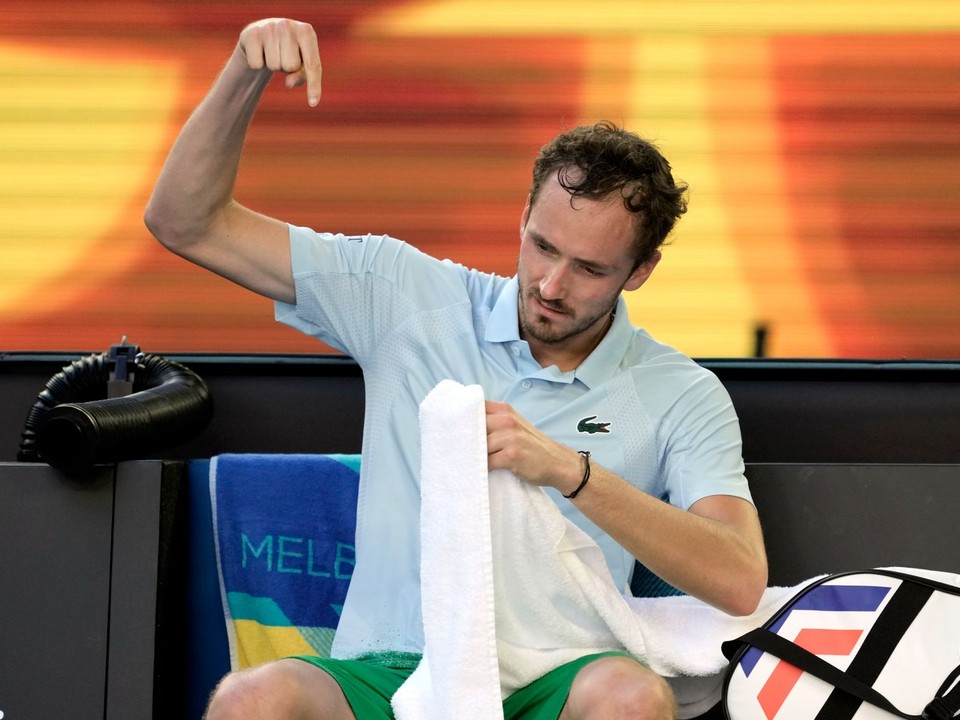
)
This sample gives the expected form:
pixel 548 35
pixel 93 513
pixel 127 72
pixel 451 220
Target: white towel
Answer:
pixel 458 675
pixel 553 598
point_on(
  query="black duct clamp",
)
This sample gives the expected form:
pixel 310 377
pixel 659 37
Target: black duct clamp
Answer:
pixel 123 359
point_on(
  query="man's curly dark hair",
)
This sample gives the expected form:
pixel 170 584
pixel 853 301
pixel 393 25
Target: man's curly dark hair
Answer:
pixel 595 161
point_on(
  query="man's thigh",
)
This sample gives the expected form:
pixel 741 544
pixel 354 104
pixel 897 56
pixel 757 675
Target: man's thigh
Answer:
pixel 544 698
pixel 368 683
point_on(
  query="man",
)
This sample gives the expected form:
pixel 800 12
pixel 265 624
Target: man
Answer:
pixel 564 373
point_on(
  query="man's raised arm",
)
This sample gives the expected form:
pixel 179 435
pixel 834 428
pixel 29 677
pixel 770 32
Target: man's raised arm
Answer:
pixel 192 210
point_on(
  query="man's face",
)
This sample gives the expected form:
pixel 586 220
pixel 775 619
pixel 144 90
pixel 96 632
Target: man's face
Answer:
pixel 574 262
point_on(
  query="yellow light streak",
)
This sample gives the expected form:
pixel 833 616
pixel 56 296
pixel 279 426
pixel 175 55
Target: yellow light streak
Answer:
pixel 79 142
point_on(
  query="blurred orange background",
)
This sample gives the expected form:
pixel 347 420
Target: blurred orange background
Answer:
pixel 821 141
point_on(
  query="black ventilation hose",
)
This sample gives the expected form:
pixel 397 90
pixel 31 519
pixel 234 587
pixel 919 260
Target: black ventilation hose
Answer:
pixel 74 425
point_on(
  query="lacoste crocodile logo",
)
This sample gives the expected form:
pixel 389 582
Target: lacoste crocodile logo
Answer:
pixel 585 426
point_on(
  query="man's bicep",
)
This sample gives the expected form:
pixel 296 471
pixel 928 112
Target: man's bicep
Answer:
pixel 733 511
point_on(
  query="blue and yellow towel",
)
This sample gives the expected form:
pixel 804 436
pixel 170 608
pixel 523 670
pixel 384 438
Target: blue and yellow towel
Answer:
pixel 284 531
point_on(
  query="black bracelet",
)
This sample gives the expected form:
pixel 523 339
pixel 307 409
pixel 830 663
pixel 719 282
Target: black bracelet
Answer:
pixel 586 475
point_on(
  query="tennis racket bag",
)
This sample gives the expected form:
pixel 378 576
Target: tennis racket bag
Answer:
pixel 866 645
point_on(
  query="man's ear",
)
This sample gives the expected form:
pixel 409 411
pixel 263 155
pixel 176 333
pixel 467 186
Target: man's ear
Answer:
pixel 642 273
pixel 524 216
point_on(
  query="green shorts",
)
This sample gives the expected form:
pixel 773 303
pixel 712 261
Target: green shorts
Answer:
pixel 369 682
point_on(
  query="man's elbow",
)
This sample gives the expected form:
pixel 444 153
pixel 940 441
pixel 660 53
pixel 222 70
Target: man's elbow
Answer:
pixel 746 594
pixel 161 225
pixel 169 228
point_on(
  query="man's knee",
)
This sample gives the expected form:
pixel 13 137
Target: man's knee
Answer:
pixel 281 689
pixel 619 687
pixel 249 693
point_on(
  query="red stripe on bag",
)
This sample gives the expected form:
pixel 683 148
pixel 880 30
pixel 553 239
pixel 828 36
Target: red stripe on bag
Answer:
pixel 784 676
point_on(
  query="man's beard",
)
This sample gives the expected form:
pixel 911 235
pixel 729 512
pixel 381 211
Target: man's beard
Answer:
pixel 547 330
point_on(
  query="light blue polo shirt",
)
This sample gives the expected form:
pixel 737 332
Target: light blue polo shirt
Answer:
pixel 643 410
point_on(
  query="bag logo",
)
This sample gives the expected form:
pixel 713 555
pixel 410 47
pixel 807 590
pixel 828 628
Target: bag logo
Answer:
pixel 585 426
pixel 820 641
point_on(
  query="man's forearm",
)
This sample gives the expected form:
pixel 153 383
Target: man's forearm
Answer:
pixel 198 178
pixel 714 551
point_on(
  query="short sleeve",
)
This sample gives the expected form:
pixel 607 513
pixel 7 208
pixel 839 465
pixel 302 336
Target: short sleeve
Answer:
pixel 353 291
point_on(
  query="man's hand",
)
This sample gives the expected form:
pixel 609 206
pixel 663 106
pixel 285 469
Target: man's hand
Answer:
pixel 287 46
pixel 516 445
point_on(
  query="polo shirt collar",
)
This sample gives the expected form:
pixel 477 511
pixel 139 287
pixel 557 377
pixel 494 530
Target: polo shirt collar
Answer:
pixel 603 362
pixel 504 326
pixel 504 322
